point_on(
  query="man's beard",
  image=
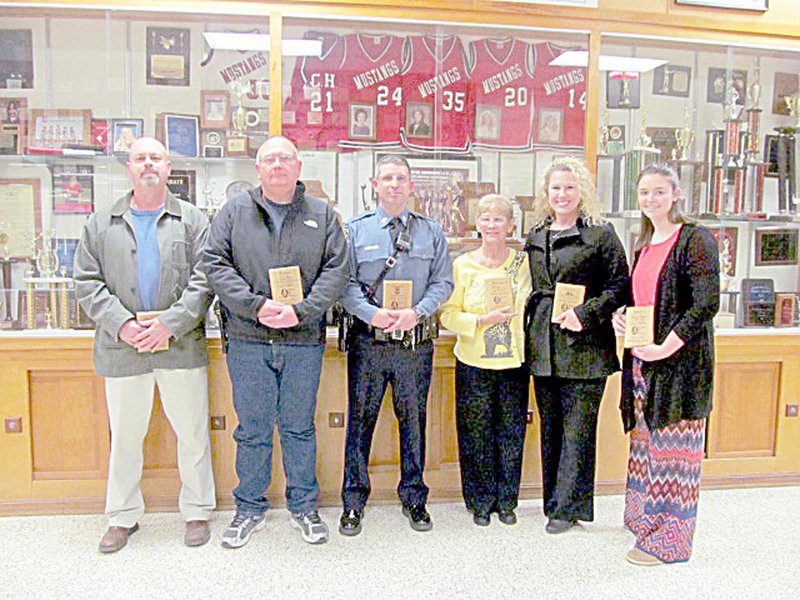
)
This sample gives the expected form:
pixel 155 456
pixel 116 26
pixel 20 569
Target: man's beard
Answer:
pixel 150 180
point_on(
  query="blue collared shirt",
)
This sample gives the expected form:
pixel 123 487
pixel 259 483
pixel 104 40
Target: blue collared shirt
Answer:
pixel 427 264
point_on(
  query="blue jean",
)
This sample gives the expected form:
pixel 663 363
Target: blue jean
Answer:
pixel 275 383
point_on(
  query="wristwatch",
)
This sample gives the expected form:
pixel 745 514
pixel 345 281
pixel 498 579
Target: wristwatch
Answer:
pixel 420 315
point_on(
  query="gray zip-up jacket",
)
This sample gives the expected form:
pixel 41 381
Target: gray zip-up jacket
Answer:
pixel 243 246
pixel 106 285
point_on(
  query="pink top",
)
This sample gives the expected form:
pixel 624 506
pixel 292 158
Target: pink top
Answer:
pixel 648 270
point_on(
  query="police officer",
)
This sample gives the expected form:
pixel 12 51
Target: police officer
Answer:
pixel 396 247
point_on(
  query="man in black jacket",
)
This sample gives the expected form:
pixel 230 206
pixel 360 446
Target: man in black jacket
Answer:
pixel 277 259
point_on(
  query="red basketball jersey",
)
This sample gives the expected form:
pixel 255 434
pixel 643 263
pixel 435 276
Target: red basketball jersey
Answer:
pixel 438 109
pixel 315 113
pixel 560 98
pixel 502 88
pixel 372 76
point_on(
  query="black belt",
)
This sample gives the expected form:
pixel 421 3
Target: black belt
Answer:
pixel 427 329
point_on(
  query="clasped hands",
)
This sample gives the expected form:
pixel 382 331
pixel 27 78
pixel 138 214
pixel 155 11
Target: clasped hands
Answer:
pixel 276 315
pixel 146 335
pixel 394 320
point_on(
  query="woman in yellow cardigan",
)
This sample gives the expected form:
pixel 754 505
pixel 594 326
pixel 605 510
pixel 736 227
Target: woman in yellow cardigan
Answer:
pixel 492 285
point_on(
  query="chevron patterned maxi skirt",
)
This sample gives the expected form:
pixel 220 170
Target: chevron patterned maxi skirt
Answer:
pixel 663 481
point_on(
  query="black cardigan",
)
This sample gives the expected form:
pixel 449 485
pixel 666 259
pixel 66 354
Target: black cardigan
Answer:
pixel 680 387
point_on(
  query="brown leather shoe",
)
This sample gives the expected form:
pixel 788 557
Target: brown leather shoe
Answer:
pixel 197 533
pixel 115 538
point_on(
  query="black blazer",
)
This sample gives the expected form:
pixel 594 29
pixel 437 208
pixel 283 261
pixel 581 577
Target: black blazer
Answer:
pixel 594 257
pixel 680 387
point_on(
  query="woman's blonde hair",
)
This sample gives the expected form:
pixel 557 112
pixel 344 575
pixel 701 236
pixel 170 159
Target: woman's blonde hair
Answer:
pixel 497 202
pixel 588 207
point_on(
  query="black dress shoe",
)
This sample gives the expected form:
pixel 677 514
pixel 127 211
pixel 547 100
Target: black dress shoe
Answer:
pixel 350 522
pixel 507 516
pixel 559 525
pixel 418 517
pixel 481 519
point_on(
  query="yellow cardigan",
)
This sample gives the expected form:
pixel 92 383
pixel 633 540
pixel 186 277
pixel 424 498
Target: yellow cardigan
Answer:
pixel 499 346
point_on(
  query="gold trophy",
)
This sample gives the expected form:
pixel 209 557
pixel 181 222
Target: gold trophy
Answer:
pixel 241 120
pixel 684 136
pixel 793 104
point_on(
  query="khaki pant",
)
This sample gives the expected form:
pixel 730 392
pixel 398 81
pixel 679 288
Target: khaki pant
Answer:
pixel 184 397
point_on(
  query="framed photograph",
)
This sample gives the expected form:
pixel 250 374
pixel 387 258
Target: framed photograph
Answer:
pixel 550 126
pixel 361 121
pixel 727 246
pixel 181 134
pixel 760 5
pixel 720 79
pixel 73 188
pixel 182 183
pixel 57 128
pixel 215 109
pixel 487 123
pixel 438 190
pixel 786 85
pixel 776 247
pixel 616 139
pixel 16 59
pixel 100 134
pixel 419 120
pixel 13 117
pixel 21 208
pixel 168 50
pixel 65 251
pixel 124 132
pixel 672 80
pixel 623 89
pixel 771 155
pixel 212 143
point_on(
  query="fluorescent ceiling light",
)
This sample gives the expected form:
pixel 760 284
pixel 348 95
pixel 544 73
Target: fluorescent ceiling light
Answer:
pixel 580 58
pixel 228 40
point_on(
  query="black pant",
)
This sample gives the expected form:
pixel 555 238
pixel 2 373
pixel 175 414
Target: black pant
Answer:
pixel 371 366
pixel 568 411
pixel 490 418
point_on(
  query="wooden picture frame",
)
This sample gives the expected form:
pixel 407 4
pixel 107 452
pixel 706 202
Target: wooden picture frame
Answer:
pixel 56 128
pixel 13 118
pixel 183 184
pixel 124 132
pixel 168 56
pixel 785 310
pixel 21 208
pixel 16 65
pixel 73 188
pixel 215 109
pixel 776 247
pixel 672 80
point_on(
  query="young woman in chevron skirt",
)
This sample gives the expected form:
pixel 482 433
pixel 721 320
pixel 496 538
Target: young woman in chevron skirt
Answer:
pixel 667 385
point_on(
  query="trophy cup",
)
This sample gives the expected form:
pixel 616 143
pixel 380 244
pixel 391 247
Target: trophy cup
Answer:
pixel 241 120
pixel 684 136
pixel 604 134
pixel 7 321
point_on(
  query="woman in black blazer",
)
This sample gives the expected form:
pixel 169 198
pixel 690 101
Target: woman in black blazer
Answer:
pixel 571 352
pixel 667 385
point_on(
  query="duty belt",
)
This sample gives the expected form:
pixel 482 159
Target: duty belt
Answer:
pixel 427 329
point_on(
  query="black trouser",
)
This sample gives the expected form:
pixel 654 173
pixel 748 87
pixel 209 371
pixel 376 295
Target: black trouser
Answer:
pixel 568 411
pixel 490 417
pixel 371 366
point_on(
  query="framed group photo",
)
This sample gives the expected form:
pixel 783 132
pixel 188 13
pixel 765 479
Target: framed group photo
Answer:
pixel 56 128
pixel 73 188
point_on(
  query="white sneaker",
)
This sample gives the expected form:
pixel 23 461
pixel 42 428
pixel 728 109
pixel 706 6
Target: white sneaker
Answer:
pixel 241 528
pixel 312 528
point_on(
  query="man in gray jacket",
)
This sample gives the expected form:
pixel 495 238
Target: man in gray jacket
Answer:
pixel 143 255
pixel 277 259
